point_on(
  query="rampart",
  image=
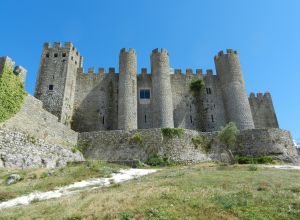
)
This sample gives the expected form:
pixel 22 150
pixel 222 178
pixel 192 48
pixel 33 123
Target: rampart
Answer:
pixel 122 145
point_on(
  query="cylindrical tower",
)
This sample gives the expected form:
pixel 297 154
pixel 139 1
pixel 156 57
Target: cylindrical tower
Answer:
pixel 162 105
pixel 127 99
pixel 235 98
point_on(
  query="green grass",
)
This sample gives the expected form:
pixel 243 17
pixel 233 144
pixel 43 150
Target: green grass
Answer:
pixel 172 132
pixel 44 179
pixel 204 191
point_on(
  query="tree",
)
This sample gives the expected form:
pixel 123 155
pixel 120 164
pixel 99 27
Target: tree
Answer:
pixel 228 136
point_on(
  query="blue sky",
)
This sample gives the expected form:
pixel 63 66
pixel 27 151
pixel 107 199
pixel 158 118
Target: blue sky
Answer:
pixel 265 33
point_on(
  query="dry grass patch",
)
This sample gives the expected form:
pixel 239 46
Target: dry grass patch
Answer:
pixel 201 191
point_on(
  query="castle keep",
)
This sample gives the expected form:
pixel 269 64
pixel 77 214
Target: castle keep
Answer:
pixel 161 97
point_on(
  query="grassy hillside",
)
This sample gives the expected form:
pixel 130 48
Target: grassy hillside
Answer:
pixel 204 191
pixel 48 179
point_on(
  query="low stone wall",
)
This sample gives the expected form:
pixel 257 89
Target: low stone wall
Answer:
pixel 120 145
pixel 36 121
pixel 20 150
pixel 273 142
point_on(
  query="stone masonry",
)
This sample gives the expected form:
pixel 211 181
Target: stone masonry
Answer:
pixel 162 98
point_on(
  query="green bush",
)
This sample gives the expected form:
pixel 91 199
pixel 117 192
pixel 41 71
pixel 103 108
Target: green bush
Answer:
pixel 254 160
pixel 252 168
pixel 197 85
pixel 11 94
pixel 157 160
pixel 228 134
pixel 172 132
pixel 200 143
pixel 137 138
pixel 83 145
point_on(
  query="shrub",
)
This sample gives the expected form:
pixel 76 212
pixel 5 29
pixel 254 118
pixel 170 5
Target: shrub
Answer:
pixel 31 138
pixel 83 145
pixel 136 138
pixel 227 136
pixel 11 94
pixel 172 132
pixel 254 160
pixel 252 168
pixel 200 143
pixel 197 85
pixel 158 160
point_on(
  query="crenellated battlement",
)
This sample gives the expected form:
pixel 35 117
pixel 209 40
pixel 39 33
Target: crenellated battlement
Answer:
pixel 66 46
pixel 100 73
pixel 17 70
pixel 156 51
pixel 129 51
pixel 228 52
pixel 191 73
pixel 260 96
pixel 154 98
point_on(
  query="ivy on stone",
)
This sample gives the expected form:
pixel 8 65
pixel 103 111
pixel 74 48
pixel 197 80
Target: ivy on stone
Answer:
pixel 12 94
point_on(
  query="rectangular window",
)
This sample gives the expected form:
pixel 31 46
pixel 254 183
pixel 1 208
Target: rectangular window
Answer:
pixel 55 55
pixel 212 118
pixel 64 55
pixel 208 90
pixel 50 87
pixel 145 94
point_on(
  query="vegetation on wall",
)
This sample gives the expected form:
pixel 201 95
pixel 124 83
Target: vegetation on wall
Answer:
pixel 11 94
pixel 228 136
pixel 158 160
pixel 137 138
pixel 200 143
pixel 172 132
pixel 197 85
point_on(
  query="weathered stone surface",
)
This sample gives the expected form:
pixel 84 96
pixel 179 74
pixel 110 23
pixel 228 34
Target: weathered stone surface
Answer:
pixel 120 145
pixel 274 142
pixel 33 119
pixel 13 178
pixel 20 150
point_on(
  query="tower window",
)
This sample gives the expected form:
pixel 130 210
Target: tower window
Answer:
pixel 72 58
pixel 145 94
pixel 145 118
pixel 191 118
pixel 64 54
pixel 212 118
pixel 47 55
pixel 55 55
pixel 76 62
pixel 103 120
pixel 51 87
pixel 208 90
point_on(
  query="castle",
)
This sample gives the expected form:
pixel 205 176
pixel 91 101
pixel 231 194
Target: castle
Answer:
pixel 128 100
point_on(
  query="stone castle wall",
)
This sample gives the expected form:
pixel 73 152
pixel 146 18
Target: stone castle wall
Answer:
pixel 96 102
pixel 108 101
pixel 58 69
pixel 263 112
pixel 120 145
pixel 20 150
pixel 35 121
pixel 233 88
